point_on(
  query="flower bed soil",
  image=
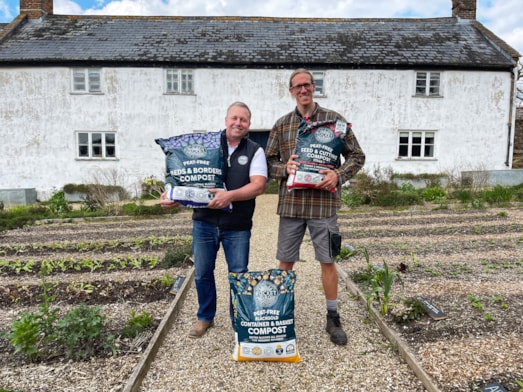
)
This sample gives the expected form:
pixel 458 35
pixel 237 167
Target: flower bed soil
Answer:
pixel 449 257
pixel 115 264
pixel 469 265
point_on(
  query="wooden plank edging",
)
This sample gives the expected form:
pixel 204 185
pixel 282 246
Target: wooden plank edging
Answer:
pixel 141 369
pixel 396 341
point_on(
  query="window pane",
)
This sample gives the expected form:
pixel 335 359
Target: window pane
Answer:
pixel 416 137
pixel 171 81
pixel 83 138
pixel 83 151
pixel 96 138
pixel 421 83
pixel 94 80
pixel 416 151
pixel 318 79
pixel 109 138
pixel 79 80
pixel 97 151
pixel 109 152
pixel 404 151
pixel 429 151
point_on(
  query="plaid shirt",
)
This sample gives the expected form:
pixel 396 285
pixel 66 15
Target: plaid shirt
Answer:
pixel 308 203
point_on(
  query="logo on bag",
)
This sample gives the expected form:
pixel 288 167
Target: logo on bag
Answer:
pixel 324 135
pixel 265 294
pixel 195 150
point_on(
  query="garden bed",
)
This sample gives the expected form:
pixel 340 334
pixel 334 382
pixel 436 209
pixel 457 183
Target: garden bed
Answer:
pixel 118 265
pixel 468 264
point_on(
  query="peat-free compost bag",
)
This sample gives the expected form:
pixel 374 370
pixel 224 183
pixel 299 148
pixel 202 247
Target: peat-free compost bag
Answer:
pixel 194 164
pixel 318 146
pixel 263 304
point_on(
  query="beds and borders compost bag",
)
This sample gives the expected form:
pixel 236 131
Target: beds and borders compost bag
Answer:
pixel 263 304
pixel 318 146
pixel 194 164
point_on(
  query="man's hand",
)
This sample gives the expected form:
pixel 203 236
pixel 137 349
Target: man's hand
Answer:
pixel 222 199
pixel 329 182
pixel 168 203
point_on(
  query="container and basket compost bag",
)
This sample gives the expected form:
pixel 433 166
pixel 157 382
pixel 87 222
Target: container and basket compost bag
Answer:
pixel 319 145
pixel 263 304
pixel 194 164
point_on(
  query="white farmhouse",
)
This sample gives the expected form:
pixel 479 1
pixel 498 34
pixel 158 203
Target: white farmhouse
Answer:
pixel 83 98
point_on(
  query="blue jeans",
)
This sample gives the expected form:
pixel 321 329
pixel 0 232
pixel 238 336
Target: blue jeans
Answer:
pixel 205 245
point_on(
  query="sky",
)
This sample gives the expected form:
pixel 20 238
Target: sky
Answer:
pixel 502 17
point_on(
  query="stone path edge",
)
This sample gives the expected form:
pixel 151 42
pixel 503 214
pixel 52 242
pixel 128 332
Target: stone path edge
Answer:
pixel 140 371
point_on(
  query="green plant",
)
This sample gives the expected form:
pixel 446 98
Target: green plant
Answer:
pixel 167 280
pixel 152 188
pixel 81 332
pixel 177 256
pixel 520 383
pixel 32 332
pixel 499 195
pixel 408 310
pixel 58 204
pixel 475 301
pixel 489 317
pixel 381 284
pixel 25 335
pixel 137 324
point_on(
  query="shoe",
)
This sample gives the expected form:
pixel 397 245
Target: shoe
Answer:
pixel 334 329
pixel 199 328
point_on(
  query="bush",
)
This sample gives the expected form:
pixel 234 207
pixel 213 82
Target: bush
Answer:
pixel 433 194
pixel 81 332
pixel 57 204
pixel 499 195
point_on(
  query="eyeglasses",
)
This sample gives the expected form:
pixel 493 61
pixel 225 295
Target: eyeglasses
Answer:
pixel 298 87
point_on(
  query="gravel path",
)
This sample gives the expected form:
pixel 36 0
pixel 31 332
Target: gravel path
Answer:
pixel 368 362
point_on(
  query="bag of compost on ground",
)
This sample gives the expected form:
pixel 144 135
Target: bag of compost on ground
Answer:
pixel 194 164
pixel 263 304
pixel 318 146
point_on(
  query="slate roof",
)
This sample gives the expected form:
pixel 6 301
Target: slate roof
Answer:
pixel 254 42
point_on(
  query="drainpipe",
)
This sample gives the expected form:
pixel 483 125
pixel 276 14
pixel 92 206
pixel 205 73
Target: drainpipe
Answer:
pixel 509 144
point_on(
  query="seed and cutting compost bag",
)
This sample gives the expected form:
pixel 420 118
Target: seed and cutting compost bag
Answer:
pixel 263 304
pixel 194 164
pixel 318 146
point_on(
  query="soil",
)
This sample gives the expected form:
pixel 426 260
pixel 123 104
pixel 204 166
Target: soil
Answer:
pixel 469 265
pixel 466 262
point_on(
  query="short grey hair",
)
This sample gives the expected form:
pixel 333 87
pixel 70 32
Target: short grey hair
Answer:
pixel 241 105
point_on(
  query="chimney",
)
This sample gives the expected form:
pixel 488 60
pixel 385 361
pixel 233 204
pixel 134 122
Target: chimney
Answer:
pixel 464 9
pixel 35 9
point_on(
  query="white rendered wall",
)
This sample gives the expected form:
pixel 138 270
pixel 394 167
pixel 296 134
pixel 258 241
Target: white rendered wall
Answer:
pixel 39 115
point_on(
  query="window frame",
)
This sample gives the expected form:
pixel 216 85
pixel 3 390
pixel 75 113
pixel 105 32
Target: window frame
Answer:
pixel 432 81
pixel 319 80
pixel 91 144
pixel 184 87
pixel 89 83
pixel 427 143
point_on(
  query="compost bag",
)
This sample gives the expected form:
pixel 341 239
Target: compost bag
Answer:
pixel 263 304
pixel 318 146
pixel 194 164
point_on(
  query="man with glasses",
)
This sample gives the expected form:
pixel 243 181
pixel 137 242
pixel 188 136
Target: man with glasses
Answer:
pixel 315 208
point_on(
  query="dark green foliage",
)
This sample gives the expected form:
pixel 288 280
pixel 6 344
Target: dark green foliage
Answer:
pixel 25 335
pixel 498 195
pixel 414 310
pixel 433 194
pixel 57 204
pixel 137 324
pixel 176 257
pixel 81 332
